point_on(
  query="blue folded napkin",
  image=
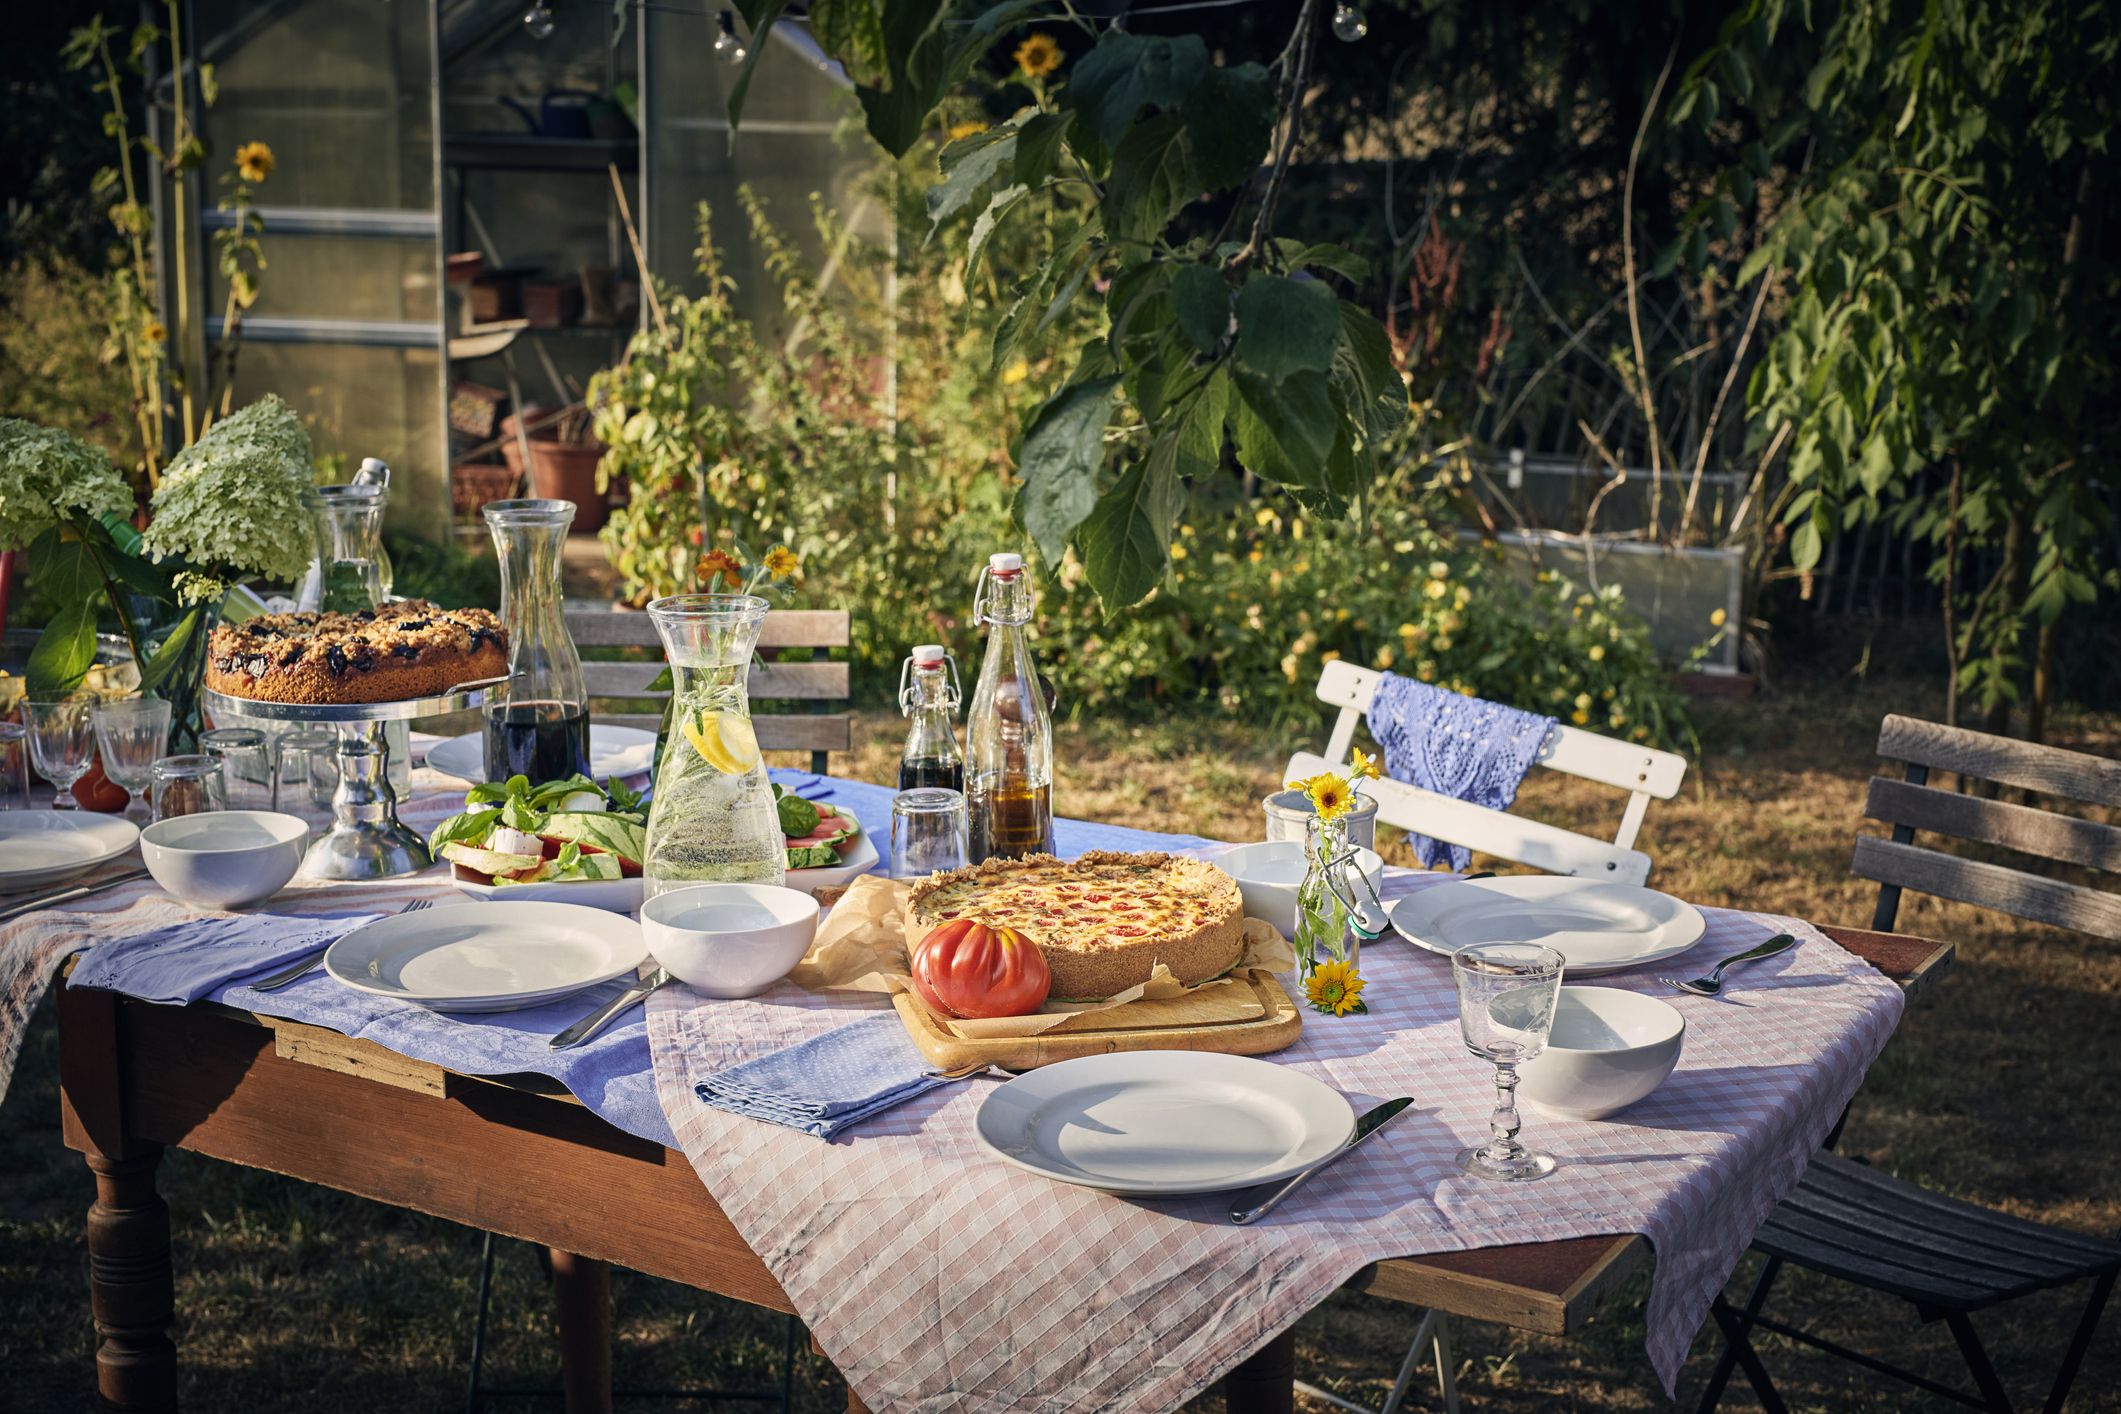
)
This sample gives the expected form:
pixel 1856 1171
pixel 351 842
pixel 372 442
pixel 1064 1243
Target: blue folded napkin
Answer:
pixel 828 1083
pixel 185 961
pixel 1454 745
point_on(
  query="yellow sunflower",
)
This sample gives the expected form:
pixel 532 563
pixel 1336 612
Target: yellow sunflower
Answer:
pixel 963 130
pixel 1336 989
pixel 781 562
pixel 155 332
pixel 1038 56
pixel 1361 765
pixel 254 161
pixel 1330 796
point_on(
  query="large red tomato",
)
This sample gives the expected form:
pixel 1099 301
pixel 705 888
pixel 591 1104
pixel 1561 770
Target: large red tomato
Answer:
pixel 98 792
pixel 968 968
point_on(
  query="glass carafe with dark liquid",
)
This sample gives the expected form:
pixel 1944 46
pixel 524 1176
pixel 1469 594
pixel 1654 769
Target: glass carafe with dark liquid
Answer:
pixel 928 695
pixel 1009 734
pixel 538 724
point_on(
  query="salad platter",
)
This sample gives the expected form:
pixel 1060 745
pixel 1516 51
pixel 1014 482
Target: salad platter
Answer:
pixel 826 849
pixel 574 841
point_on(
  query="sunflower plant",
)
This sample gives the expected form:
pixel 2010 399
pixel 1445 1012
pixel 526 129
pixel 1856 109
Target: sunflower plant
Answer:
pixel 164 389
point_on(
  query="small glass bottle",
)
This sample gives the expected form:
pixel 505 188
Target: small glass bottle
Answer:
pixel 928 696
pixel 1009 733
pixel 538 724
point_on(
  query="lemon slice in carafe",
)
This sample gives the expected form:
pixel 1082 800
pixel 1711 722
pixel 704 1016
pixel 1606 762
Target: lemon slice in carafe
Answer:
pixel 725 741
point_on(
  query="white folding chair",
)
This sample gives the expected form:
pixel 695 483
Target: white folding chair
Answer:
pixel 1644 772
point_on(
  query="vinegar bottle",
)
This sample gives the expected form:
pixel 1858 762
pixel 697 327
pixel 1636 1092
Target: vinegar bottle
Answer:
pixel 928 695
pixel 1009 734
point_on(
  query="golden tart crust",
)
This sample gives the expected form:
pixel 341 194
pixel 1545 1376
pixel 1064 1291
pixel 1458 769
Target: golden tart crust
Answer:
pixel 404 650
pixel 1103 921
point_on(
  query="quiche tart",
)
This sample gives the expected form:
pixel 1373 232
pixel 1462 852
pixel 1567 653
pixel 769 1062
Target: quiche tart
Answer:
pixel 404 650
pixel 1103 921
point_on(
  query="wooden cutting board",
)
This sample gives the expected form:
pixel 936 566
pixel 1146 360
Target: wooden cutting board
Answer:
pixel 1247 1016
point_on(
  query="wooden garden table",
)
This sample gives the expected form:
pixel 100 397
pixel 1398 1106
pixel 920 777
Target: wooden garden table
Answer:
pixel 510 1157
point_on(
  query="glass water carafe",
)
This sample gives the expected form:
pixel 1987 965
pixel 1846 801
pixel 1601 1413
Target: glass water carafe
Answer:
pixel 345 576
pixel 1009 732
pixel 375 472
pixel 712 818
pixel 538 724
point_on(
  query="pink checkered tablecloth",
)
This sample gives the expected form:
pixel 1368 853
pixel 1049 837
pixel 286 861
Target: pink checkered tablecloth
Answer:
pixel 939 1278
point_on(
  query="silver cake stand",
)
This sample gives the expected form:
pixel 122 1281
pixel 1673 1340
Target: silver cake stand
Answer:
pixel 366 839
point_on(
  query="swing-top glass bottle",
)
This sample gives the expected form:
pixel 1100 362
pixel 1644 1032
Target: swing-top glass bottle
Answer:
pixel 1009 732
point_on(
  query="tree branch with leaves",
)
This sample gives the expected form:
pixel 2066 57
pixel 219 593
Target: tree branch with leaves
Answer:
pixel 1207 340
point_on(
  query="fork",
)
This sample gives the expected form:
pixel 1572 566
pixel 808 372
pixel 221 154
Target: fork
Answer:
pixel 1712 985
pixel 310 964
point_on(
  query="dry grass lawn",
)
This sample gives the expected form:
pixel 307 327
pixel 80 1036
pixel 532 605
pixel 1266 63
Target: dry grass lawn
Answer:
pixel 1997 1089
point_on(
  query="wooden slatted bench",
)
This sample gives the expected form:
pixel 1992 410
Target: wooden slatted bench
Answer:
pixel 813 680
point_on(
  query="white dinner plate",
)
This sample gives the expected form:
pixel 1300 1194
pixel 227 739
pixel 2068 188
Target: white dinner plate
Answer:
pixel 1598 927
pixel 1163 1123
pixel 612 895
pixel 39 848
pixel 613 751
pixel 469 957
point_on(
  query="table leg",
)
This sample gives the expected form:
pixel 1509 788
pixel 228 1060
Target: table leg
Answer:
pixel 1265 1383
pixel 581 1288
pixel 131 1289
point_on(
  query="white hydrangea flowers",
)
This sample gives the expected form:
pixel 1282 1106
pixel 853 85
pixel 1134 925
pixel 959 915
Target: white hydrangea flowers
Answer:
pixel 231 504
pixel 48 477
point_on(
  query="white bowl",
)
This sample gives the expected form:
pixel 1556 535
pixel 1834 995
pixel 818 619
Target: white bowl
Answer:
pixel 1608 1048
pixel 730 940
pixel 225 858
pixel 1268 875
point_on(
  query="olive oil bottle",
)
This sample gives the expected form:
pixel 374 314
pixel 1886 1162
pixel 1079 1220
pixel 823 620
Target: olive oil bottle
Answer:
pixel 1009 733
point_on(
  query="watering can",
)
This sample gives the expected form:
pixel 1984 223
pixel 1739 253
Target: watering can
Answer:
pixel 561 113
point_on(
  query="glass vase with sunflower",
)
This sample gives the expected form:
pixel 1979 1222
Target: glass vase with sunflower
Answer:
pixel 1326 950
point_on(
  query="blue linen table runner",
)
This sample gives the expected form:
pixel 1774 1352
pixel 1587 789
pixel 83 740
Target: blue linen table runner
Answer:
pixel 611 1075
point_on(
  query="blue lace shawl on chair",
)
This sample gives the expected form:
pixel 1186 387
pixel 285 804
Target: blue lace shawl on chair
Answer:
pixel 1454 745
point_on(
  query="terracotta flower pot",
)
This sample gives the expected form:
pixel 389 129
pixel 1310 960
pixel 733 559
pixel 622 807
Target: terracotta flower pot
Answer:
pixel 565 471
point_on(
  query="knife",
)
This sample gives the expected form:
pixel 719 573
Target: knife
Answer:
pixel 36 905
pixel 587 1028
pixel 1372 1121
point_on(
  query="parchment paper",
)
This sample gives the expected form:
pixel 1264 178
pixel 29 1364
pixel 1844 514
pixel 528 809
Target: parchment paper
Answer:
pixel 862 947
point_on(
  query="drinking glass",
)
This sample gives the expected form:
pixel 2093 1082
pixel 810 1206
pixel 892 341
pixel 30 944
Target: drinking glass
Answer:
pixel 927 832
pixel 305 760
pixel 187 785
pixel 1506 998
pixel 132 733
pixel 14 766
pixel 246 777
pixel 62 743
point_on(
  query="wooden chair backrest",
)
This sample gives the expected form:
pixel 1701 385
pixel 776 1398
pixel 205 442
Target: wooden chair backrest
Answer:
pixel 1644 772
pixel 816 682
pixel 1913 804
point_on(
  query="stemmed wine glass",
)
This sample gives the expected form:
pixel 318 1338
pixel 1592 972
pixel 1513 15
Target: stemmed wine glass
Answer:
pixel 62 743
pixel 131 734
pixel 1506 998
